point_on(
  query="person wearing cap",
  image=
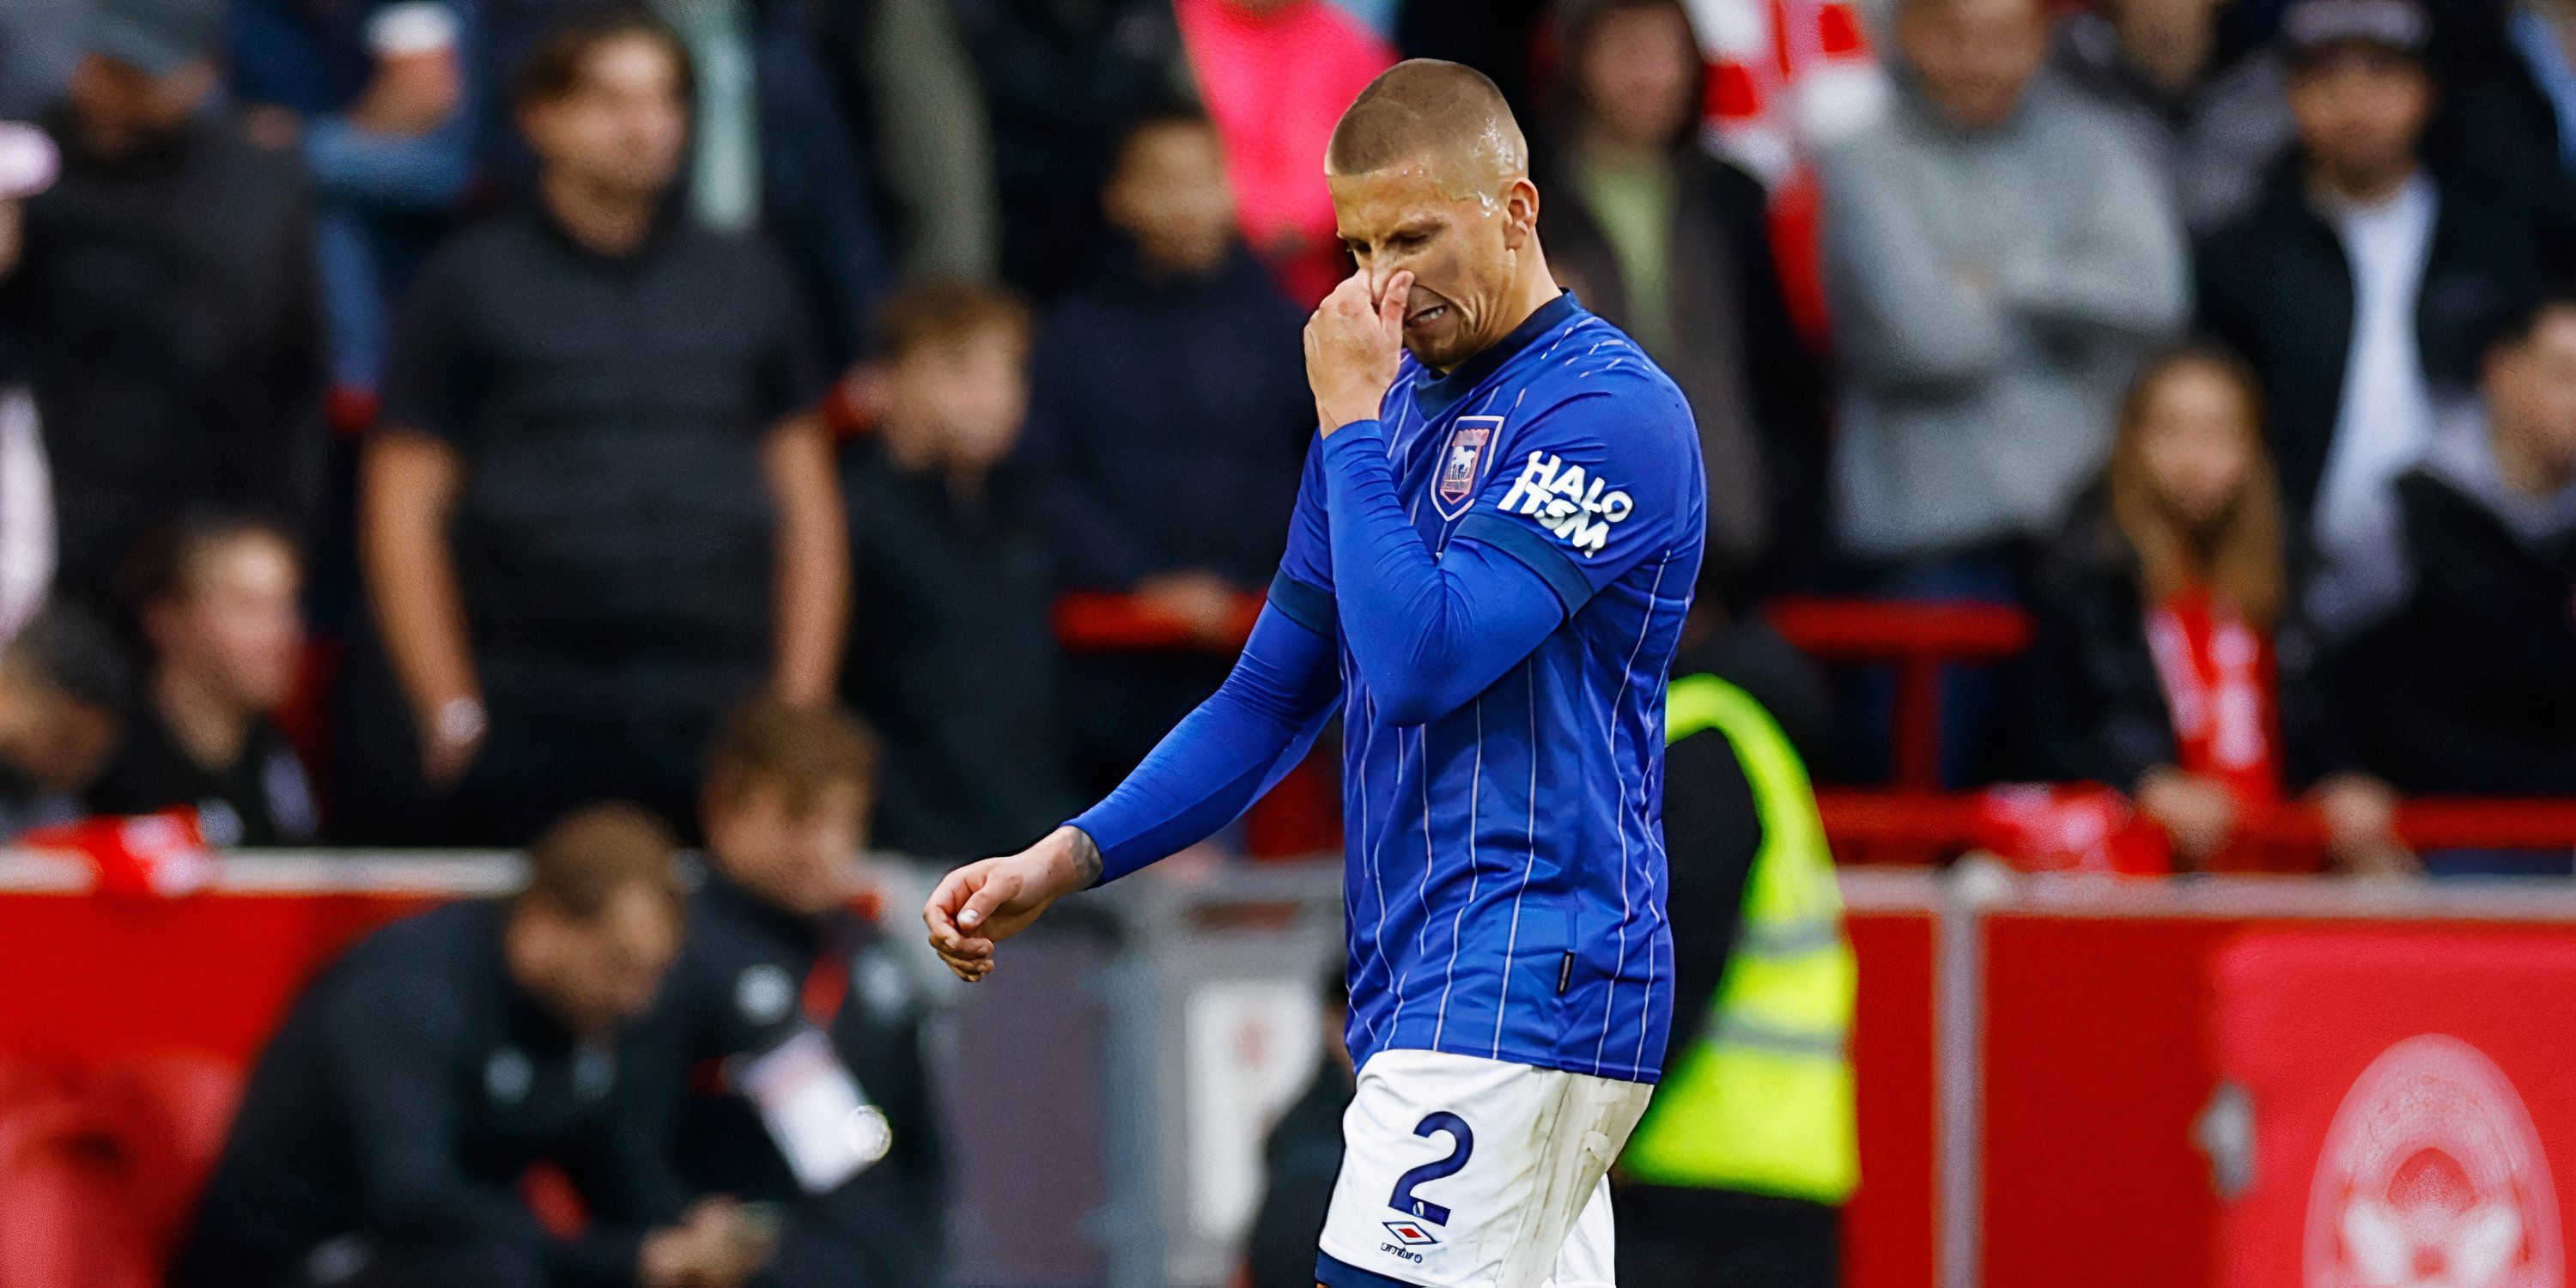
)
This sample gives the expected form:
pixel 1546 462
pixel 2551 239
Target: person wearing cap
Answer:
pixel 63 683
pixel 2358 288
pixel 164 304
pixel 385 1132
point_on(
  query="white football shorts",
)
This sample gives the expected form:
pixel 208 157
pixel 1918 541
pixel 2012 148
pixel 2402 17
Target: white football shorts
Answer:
pixel 1463 1172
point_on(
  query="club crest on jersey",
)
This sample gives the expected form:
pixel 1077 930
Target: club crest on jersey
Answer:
pixel 1462 462
pixel 1578 508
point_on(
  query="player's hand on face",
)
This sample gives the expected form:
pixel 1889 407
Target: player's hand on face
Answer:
pixel 981 904
pixel 1353 343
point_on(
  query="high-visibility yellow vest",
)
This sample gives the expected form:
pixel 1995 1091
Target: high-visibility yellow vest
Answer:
pixel 1762 1101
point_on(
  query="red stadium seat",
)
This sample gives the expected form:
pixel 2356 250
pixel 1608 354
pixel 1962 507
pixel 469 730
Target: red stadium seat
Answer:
pixel 98 1173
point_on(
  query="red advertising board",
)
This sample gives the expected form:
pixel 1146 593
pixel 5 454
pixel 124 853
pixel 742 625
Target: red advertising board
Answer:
pixel 2406 1099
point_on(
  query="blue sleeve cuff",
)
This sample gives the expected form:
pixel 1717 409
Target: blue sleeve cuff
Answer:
pixel 1309 606
pixel 1535 552
pixel 1342 440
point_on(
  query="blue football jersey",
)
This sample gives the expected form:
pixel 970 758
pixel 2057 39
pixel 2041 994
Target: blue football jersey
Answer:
pixel 1505 862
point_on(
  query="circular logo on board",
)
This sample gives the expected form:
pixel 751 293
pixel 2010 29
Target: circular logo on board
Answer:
pixel 2432 1177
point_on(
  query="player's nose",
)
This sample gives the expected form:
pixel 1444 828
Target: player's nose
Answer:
pixel 1381 278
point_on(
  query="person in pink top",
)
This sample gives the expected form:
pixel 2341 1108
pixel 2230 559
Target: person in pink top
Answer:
pixel 1275 75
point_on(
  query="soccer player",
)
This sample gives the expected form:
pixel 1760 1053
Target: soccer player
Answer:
pixel 1487 572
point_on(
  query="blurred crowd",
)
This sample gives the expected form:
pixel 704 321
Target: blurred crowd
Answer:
pixel 420 416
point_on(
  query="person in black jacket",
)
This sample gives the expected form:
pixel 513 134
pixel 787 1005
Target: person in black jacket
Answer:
pixel 954 657
pixel 780 969
pixel 599 509
pixel 215 597
pixel 2168 662
pixel 1302 1158
pixel 1169 418
pixel 2358 288
pixel 1674 245
pixel 2470 685
pixel 386 1130
pixel 1061 80
pixel 166 304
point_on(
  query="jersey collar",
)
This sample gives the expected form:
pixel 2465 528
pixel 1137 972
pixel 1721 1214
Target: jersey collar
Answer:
pixel 1435 395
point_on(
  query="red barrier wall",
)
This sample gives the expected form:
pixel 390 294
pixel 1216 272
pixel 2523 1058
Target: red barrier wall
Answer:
pixel 96 980
pixel 2100 1057
pixel 93 979
pixel 1888 1226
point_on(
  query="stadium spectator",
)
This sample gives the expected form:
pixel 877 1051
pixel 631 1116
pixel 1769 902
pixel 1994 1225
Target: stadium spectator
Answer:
pixel 954 659
pixel 1728 1184
pixel 28 164
pixel 779 969
pixel 1998 257
pixel 1500 38
pixel 1301 1158
pixel 374 95
pixel 1674 246
pixel 1169 420
pixel 1276 75
pixel 40 41
pixel 2509 119
pixel 63 685
pixel 1061 79
pixel 2358 288
pixel 385 1130
pixel 2202 88
pixel 165 302
pixel 933 144
pixel 2470 685
pixel 2169 662
pixel 775 140
pixel 597 511
pixel 215 597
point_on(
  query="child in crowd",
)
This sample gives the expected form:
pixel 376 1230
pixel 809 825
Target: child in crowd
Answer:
pixel 782 973
pixel 2167 663
pixel 952 654
pixel 215 599
pixel 62 682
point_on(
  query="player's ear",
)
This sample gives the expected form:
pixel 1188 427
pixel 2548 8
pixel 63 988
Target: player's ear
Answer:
pixel 1520 213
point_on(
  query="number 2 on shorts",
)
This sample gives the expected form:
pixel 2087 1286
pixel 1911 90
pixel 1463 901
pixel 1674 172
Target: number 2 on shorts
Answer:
pixel 1462 1143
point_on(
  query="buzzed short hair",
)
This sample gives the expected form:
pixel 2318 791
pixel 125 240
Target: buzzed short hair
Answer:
pixel 1427 109
pixel 578 866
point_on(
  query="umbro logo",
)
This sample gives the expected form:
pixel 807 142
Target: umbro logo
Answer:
pixel 1412 1234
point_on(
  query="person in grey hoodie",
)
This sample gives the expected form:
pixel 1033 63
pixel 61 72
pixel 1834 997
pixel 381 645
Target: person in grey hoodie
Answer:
pixel 1998 256
pixel 2197 82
